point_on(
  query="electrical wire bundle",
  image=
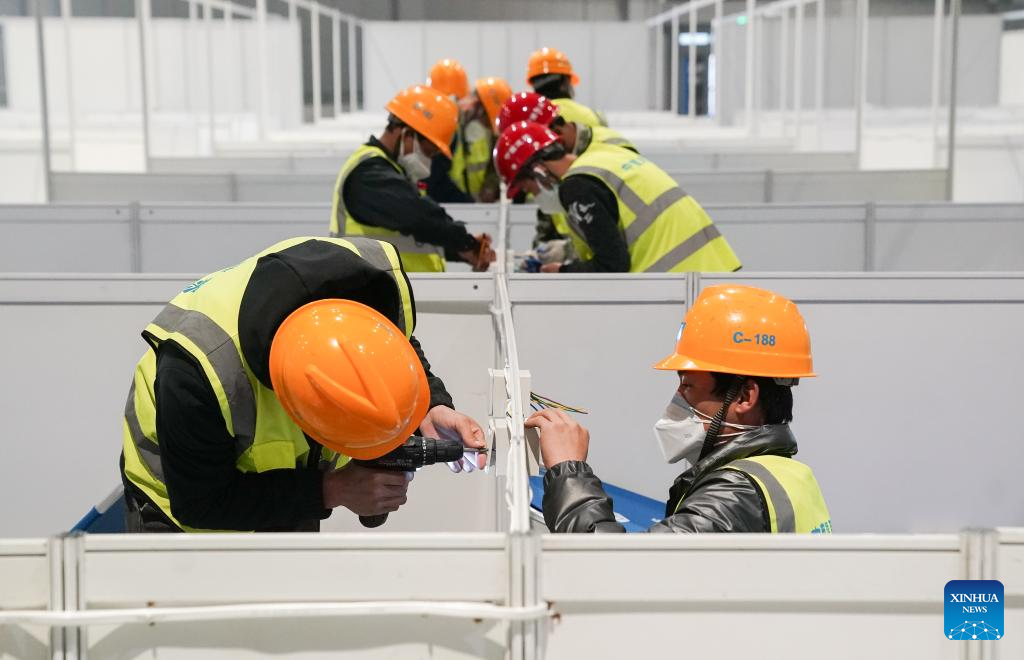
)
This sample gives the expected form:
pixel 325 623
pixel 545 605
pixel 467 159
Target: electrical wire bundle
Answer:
pixel 538 402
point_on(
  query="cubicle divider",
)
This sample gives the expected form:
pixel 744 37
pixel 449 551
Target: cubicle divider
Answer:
pixel 201 237
pixel 729 187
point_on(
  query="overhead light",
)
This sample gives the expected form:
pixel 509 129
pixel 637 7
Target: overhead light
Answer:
pixel 694 38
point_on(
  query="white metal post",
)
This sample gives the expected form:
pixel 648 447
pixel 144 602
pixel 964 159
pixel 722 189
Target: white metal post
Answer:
pixel 798 68
pixel 784 69
pixel 717 33
pixel 262 83
pixel 819 68
pixel 210 59
pixel 673 48
pixel 336 63
pixel 314 48
pixel 861 78
pixel 142 12
pixel 353 101
pixel 65 14
pixel 749 95
pixel 44 103
pixel 936 79
pixel 954 10
pixel 659 66
pixel 691 68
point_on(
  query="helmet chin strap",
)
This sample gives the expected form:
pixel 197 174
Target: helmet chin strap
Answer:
pixel 719 418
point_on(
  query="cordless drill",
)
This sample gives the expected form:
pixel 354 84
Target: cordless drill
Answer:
pixel 414 454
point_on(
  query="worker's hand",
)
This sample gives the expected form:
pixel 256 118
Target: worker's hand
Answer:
pixel 551 268
pixel 562 438
pixel 480 257
pixel 443 422
pixel 365 491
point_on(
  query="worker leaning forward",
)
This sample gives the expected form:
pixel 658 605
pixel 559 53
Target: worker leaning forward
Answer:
pixel 376 192
pixel 550 73
pixel 739 353
pixel 263 379
pixel 624 212
pixel 472 169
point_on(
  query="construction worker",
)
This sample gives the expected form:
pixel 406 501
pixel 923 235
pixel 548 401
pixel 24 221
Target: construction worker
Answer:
pixel 263 379
pixel 550 74
pixel 626 212
pixel 448 77
pixel 376 193
pixel 738 355
pixel 575 136
pixel 472 167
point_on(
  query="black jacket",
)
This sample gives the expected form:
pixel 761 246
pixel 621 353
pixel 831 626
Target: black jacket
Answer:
pixel 716 500
pixel 377 194
pixel 196 451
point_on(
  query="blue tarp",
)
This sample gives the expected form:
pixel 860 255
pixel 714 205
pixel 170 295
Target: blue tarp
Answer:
pixel 107 517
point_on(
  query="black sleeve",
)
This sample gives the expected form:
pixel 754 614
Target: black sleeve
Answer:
pixel 375 193
pixel 724 501
pixel 575 501
pixel 592 208
pixel 198 459
pixel 439 395
pixel 440 186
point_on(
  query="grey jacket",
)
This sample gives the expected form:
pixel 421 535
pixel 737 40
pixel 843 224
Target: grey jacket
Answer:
pixel 716 500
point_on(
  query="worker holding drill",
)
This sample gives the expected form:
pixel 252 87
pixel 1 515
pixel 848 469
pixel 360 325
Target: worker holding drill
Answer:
pixel 376 192
pixel 624 212
pixel 738 355
pixel 262 380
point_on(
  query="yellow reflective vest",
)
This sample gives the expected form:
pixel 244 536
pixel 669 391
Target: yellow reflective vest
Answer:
pixel 605 135
pixel 203 320
pixel 570 110
pixel 470 163
pixel 794 499
pixel 665 229
pixel 416 257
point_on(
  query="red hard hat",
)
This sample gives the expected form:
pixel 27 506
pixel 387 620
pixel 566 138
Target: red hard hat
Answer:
pixel 526 106
pixel 516 146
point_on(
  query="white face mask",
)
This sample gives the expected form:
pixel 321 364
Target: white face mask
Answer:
pixel 547 199
pixel 416 164
pixel 475 131
pixel 680 433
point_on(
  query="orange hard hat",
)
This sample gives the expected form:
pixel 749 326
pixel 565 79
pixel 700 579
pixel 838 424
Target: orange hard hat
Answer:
pixel 348 377
pixel 448 77
pixel 549 60
pixel 428 112
pixel 493 92
pixel 743 330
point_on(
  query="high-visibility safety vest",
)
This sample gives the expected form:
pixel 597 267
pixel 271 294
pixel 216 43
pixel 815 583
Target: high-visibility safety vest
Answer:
pixel 794 499
pixel 665 229
pixel 416 257
pixel 570 110
pixel 470 162
pixel 203 320
pixel 605 135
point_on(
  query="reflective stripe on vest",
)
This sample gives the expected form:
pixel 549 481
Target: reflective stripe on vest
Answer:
pixel 668 233
pixel 794 500
pixel 570 110
pixel 416 257
pixel 203 321
pixel 470 163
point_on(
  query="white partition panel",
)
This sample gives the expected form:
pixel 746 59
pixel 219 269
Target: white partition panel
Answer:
pixel 882 186
pixel 1006 564
pixel 802 598
pixel 139 572
pixel 69 238
pixel 26 583
pixel 912 371
pixel 71 344
pixel 589 341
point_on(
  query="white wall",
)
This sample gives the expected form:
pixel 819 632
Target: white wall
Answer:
pixel 1011 79
pixel 610 58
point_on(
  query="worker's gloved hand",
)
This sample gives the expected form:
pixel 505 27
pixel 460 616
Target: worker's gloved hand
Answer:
pixel 554 252
pixel 470 462
pixel 365 491
pixel 444 423
pixel 482 257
